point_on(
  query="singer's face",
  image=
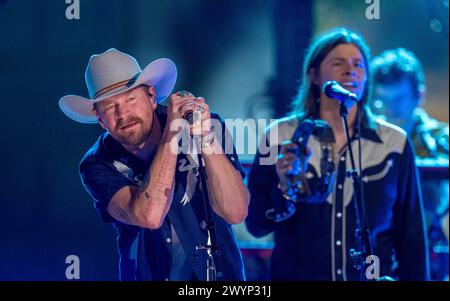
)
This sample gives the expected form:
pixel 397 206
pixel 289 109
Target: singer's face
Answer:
pixel 128 116
pixel 344 64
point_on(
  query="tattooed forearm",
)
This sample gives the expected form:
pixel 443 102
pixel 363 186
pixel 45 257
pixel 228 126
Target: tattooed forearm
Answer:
pixel 165 177
pixel 150 202
pixel 165 180
pixel 122 214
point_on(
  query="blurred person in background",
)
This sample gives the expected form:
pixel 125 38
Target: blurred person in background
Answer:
pixel 399 92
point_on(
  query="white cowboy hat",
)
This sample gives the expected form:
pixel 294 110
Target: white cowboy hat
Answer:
pixel 114 72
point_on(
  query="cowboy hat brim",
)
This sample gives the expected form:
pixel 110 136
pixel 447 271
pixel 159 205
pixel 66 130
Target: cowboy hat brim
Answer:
pixel 161 74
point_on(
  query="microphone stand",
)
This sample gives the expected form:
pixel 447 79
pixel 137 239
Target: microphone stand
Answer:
pixel 362 231
pixel 211 247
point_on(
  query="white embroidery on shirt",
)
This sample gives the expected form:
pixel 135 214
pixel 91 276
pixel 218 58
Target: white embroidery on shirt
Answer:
pixel 381 174
pixel 191 178
pixel 127 172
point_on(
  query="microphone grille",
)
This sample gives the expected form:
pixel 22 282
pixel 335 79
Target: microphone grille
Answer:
pixel 327 87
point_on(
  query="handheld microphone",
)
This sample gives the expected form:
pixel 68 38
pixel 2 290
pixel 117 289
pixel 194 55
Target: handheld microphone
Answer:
pixel 334 90
pixel 189 116
pixel 193 117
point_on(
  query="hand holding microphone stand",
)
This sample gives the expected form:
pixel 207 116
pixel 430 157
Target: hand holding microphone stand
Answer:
pixel 211 247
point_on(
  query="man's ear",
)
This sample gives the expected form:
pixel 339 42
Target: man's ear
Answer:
pixel 99 118
pixel 152 94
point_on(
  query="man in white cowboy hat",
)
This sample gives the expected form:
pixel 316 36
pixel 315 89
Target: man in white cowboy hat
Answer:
pixel 143 184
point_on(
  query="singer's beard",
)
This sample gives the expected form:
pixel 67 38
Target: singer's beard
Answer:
pixel 134 136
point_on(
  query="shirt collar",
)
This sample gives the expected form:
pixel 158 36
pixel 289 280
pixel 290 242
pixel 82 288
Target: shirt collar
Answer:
pixel 370 134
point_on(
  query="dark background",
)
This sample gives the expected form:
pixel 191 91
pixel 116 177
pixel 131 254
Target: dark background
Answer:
pixel 244 57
